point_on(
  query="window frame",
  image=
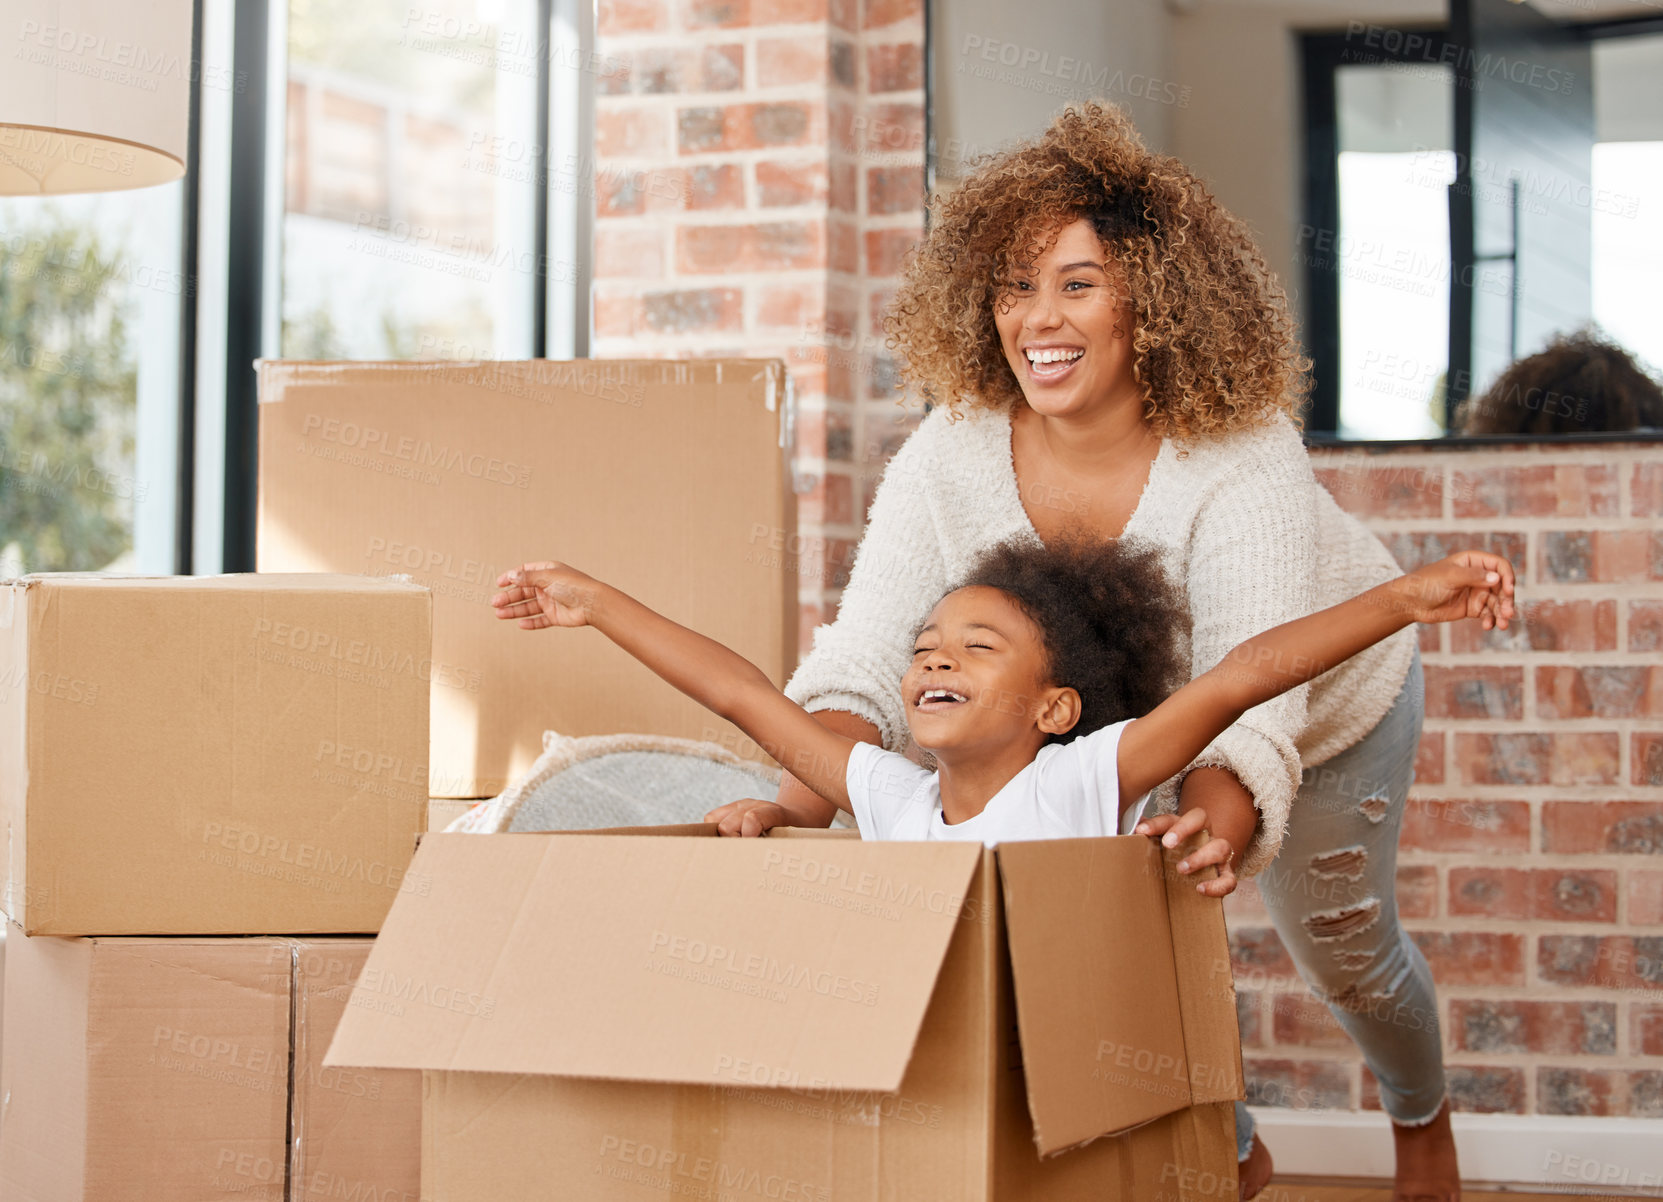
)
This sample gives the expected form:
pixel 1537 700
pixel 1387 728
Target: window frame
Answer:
pixel 1321 54
pixel 231 214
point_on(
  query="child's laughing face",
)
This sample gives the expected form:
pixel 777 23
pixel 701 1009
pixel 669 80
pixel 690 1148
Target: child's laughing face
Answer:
pixel 978 682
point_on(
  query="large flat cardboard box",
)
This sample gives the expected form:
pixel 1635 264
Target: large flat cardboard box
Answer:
pixel 670 480
pixel 631 1015
pixel 231 755
pixel 159 1070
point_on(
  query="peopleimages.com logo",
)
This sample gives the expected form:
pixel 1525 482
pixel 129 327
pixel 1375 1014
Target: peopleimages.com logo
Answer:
pixel 327 646
pixel 420 452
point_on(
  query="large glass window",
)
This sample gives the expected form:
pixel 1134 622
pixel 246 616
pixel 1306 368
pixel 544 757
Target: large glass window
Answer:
pixel 90 293
pixel 1395 167
pixel 412 173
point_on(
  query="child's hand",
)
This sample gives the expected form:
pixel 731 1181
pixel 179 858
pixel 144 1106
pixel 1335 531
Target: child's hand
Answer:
pixel 545 594
pixel 1469 584
pixel 748 818
pixel 1173 829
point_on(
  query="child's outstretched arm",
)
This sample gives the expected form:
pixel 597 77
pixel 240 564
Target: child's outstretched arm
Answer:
pixel 1470 584
pixel 541 595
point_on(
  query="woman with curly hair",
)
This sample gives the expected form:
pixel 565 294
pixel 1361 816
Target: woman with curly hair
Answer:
pixel 1107 356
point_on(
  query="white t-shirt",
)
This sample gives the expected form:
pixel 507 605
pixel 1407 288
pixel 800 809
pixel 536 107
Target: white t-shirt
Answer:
pixel 1070 791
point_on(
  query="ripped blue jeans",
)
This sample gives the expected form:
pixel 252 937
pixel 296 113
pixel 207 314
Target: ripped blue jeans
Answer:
pixel 1331 895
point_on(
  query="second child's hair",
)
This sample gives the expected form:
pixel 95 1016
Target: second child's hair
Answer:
pixel 1114 626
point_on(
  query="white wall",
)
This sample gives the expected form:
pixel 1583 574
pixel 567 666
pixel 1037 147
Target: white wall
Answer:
pixel 1628 91
pixel 1003 69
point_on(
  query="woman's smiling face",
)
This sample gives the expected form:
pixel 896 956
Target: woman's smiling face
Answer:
pixel 1065 324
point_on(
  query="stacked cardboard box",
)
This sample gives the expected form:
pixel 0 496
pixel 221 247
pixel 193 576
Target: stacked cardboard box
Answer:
pixel 206 783
pixel 184 1068
pixel 669 479
pixel 188 765
pixel 210 755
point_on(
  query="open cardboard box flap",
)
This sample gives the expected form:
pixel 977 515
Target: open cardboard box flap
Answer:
pixel 647 959
pixel 1117 1028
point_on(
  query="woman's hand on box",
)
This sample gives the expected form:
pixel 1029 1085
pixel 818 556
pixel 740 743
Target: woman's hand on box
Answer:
pixel 538 595
pixel 1173 829
pixel 748 817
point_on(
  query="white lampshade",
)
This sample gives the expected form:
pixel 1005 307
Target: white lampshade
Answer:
pixel 94 94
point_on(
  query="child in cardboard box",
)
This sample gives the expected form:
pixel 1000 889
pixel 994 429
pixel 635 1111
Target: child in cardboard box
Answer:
pixel 1041 686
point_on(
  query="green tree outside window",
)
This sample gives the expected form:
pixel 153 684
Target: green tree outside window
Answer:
pixel 68 399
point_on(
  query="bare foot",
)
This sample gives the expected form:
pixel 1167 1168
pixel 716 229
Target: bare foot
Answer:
pixel 1426 1167
pixel 1253 1174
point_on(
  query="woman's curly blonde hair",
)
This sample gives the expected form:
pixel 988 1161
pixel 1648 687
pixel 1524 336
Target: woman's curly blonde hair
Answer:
pixel 1215 348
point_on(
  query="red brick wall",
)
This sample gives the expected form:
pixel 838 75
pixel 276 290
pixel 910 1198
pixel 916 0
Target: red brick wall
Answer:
pixel 1531 870
pixel 759 172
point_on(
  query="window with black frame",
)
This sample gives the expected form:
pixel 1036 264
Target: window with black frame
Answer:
pixel 1481 220
pixel 364 180
pixel 94 285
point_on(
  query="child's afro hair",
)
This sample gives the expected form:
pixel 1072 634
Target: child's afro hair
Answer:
pixel 1115 627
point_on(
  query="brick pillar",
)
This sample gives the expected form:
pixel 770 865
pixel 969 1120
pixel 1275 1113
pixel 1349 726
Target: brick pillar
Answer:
pixel 759 172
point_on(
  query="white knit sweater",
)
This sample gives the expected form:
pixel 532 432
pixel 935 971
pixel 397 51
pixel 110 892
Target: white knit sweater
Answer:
pixel 1245 528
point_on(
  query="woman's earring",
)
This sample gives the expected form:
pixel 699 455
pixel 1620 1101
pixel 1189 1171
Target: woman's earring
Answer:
pixel 1118 332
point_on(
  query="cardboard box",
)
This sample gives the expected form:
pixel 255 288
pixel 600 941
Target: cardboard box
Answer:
pixel 813 1018
pixel 355 1133
pixel 143 1069
pixel 668 479
pixel 158 1070
pixel 442 811
pixel 209 755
